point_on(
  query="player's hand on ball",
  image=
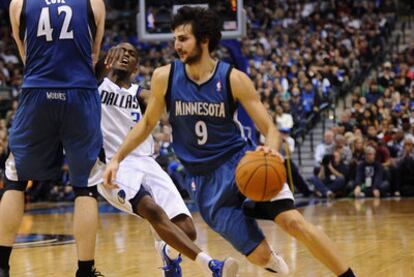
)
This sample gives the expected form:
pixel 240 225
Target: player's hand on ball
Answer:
pixel 110 175
pixel 270 151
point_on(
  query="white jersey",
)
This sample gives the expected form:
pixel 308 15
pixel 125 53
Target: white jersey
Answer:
pixel 120 112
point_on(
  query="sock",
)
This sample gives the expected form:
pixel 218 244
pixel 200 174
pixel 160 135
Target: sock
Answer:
pixel 5 252
pixel 348 273
pixel 203 260
pixel 85 266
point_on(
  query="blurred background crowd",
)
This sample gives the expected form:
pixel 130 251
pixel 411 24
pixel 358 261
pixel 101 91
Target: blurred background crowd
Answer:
pixel 303 56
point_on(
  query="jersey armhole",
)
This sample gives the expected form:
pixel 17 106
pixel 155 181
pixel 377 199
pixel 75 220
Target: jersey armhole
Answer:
pixel 232 104
pixel 22 23
pixel 168 93
pixel 91 20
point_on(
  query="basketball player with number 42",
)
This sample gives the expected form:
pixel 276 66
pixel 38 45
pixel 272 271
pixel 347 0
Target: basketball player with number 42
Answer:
pixel 210 144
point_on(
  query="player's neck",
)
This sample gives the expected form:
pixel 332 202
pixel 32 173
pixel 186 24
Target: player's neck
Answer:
pixel 201 71
pixel 121 80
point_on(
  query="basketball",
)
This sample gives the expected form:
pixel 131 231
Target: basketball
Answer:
pixel 260 176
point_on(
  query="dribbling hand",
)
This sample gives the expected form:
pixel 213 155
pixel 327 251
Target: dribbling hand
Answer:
pixel 270 151
pixel 110 175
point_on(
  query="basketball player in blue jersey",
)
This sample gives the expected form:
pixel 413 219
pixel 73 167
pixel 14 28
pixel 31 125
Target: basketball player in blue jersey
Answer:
pixel 202 95
pixel 59 110
pixel 144 188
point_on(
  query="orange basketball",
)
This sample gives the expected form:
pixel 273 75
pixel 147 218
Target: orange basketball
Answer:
pixel 260 176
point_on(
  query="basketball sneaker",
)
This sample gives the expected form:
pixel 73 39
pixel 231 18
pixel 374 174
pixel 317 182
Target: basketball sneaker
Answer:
pixel 278 265
pixel 171 267
pixel 227 268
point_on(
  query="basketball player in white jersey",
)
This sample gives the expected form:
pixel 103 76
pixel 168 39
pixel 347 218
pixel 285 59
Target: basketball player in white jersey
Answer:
pixel 143 188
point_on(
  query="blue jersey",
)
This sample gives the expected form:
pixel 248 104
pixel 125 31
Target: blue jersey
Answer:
pixel 58 37
pixel 205 132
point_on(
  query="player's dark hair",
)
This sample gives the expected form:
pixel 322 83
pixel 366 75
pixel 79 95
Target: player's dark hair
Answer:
pixel 206 24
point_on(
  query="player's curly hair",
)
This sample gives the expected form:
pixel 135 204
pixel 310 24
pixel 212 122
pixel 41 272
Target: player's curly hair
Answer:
pixel 206 24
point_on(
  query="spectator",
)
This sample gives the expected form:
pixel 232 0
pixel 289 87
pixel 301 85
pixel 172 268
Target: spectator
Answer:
pixel 320 151
pixel 330 180
pixel 404 166
pixel 369 180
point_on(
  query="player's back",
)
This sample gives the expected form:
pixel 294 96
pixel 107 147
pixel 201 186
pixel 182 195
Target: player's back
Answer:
pixel 205 133
pixel 58 36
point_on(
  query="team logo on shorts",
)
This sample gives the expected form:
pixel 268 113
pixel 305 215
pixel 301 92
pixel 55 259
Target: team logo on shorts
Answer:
pixel 193 186
pixel 121 196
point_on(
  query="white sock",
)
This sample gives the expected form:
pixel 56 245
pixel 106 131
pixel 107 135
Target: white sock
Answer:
pixel 202 260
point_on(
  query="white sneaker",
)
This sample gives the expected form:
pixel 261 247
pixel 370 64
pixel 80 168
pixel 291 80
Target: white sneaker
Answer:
pixel 278 265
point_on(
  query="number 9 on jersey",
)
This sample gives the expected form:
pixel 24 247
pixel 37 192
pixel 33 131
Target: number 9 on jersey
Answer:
pixel 201 132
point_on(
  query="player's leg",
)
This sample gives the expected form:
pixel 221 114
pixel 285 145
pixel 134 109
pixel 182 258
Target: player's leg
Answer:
pixel 85 226
pixel 282 210
pixel 186 224
pixel 167 230
pixel 134 198
pixel 82 140
pixel 315 240
pixel 220 204
pixel 166 195
pixel 38 160
pixel 11 214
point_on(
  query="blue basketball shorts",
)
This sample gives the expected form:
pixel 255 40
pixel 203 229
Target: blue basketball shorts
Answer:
pixel 50 123
pixel 220 204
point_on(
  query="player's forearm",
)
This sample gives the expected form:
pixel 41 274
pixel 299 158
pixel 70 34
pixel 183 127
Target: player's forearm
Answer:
pixel 272 138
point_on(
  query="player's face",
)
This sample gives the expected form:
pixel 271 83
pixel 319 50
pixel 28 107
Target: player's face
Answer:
pixel 129 60
pixel 185 43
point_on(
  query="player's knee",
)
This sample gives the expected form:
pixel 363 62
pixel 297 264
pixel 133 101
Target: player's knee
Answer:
pixel 153 213
pixel 86 191
pixel 295 226
pixel 186 224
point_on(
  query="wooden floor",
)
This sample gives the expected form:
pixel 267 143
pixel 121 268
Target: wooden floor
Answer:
pixel 377 238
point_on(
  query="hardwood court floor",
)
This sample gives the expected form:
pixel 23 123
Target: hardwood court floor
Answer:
pixel 376 237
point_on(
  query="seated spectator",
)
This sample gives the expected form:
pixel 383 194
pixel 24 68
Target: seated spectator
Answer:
pixel 330 180
pixel 369 180
pixel 283 120
pixel 358 155
pixel 343 149
pixel 404 165
pixel 328 139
